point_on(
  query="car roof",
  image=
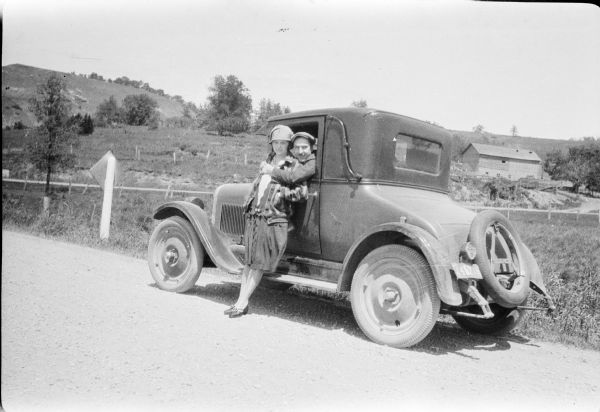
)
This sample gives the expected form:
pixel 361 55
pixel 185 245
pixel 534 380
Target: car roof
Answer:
pixel 438 133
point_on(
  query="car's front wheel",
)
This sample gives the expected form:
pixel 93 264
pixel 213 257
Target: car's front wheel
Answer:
pixel 175 255
pixel 393 296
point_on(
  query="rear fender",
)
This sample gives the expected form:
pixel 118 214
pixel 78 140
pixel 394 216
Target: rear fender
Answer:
pixel 536 281
pixel 397 232
pixel 216 244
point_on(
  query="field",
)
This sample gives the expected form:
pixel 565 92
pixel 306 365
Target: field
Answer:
pixel 568 255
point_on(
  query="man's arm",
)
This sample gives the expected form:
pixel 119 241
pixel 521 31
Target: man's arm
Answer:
pixel 299 173
pixel 297 193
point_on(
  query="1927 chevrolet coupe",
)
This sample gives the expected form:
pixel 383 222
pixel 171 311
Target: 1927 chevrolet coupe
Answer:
pixel 378 223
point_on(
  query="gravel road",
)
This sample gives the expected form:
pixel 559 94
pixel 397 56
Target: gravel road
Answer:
pixel 84 329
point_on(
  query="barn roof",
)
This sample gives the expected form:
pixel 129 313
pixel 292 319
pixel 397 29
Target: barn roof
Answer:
pixel 506 152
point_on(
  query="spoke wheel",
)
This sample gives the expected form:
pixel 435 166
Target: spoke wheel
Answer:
pixel 175 255
pixel 499 258
pixel 393 296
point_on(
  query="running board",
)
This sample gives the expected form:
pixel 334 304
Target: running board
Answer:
pixel 302 281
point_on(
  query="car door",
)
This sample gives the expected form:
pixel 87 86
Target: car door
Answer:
pixel 304 239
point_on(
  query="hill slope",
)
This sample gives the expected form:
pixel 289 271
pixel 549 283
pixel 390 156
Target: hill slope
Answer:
pixel 539 145
pixel 19 83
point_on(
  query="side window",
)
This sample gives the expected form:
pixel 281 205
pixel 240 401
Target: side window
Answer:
pixel 333 166
pixel 417 154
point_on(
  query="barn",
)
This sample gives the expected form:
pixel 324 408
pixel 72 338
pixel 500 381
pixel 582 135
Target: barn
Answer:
pixel 500 161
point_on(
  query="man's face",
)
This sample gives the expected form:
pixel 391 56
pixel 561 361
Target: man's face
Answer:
pixel 302 148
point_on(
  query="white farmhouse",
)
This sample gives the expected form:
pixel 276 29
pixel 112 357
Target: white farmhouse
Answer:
pixel 500 161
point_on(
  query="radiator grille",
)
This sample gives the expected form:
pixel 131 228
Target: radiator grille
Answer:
pixel 232 219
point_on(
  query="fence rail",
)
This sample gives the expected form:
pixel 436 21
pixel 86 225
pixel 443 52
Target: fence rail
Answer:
pixel 511 213
pixel 90 185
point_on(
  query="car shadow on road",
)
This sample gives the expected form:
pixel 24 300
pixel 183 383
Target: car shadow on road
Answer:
pixel 314 309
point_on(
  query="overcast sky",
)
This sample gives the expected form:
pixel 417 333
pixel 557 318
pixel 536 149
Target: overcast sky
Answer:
pixel 459 64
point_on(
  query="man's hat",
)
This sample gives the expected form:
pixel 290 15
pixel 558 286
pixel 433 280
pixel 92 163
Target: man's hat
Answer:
pixel 311 139
pixel 280 132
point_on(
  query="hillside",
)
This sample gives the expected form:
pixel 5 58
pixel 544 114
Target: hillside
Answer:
pixel 19 83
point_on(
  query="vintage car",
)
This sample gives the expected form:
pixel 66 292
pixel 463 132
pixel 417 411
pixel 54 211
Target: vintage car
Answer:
pixel 378 223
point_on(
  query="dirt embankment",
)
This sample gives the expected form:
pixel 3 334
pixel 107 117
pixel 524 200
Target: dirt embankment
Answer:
pixel 84 329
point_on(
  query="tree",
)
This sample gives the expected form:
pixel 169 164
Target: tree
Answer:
pixel 49 149
pixel 86 126
pixel 581 165
pixel 514 131
pixel 359 103
pixel 266 109
pixel 229 105
pixel 478 129
pixel 138 109
pixel 108 112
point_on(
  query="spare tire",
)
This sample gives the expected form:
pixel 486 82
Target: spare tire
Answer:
pixel 500 259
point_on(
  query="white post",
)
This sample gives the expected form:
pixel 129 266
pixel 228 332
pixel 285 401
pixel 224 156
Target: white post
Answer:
pixel 108 194
pixel 174 158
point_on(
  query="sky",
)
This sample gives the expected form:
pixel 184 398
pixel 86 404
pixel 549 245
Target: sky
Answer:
pixel 455 63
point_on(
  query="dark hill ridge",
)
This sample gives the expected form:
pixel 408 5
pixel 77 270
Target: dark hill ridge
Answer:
pixel 19 83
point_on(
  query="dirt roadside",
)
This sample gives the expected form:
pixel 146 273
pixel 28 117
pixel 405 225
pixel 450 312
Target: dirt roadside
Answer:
pixel 84 329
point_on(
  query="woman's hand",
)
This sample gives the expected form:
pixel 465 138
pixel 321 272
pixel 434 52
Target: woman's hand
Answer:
pixel 265 168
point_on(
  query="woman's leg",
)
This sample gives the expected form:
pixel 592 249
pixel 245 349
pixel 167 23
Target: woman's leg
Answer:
pixel 248 286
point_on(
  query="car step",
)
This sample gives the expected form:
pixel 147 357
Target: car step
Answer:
pixel 302 281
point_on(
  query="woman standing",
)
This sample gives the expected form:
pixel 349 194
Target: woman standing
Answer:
pixel 267 211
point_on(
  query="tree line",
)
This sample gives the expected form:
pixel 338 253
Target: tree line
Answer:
pixel 580 165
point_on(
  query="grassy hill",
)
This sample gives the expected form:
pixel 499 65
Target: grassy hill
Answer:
pixel 19 83
pixel 539 145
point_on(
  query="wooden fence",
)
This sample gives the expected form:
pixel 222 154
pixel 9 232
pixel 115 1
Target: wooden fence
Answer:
pixel 539 215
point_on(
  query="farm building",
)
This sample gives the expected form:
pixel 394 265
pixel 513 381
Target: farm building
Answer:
pixel 500 161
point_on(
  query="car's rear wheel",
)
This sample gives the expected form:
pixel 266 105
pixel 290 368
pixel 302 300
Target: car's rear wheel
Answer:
pixel 499 258
pixel 175 255
pixel 393 296
pixel 504 320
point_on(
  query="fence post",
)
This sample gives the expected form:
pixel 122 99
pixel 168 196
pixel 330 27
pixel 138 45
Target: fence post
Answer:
pixel 245 159
pixel 92 216
pixel 548 212
pixel 69 185
pixel 508 213
pixel 107 199
pixel 577 218
pixel 174 158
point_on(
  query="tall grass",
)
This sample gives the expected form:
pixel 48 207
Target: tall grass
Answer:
pixel 569 258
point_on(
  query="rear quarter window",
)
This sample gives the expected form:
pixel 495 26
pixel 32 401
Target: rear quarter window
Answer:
pixel 418 154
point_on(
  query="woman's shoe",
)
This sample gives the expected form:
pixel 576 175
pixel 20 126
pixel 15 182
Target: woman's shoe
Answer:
pixel 236 313
pixel 229 310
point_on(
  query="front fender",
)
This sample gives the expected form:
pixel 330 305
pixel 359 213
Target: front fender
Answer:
pixel 432 249
pixel 216 244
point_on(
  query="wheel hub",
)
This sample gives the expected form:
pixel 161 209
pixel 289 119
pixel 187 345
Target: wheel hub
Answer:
pixel 391 295
pixel 171 256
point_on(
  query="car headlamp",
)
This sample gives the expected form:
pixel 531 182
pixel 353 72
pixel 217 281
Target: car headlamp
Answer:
pixel 468 251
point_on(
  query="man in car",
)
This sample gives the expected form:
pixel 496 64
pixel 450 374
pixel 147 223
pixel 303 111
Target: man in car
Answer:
pixel 303 145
